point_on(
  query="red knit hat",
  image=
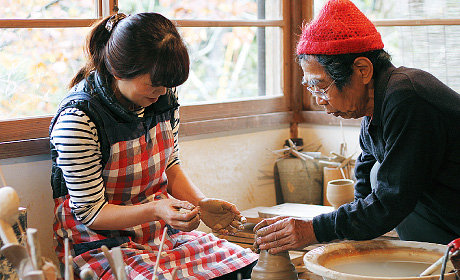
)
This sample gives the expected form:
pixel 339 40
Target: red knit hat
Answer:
pixel 339 28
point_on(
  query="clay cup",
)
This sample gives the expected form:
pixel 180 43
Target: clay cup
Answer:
pixel 340 191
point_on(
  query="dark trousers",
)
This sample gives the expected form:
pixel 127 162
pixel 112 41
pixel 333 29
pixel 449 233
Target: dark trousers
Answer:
pixel 423 225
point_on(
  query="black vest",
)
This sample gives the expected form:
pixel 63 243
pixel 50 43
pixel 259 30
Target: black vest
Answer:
pixel 97 101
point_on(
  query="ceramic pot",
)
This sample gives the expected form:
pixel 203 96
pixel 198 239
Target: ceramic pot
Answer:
pixel 329 174
pixel 274 267
pixel 376 260
pixel 340 191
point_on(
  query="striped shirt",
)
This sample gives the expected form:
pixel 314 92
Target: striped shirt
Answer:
pixel 79 156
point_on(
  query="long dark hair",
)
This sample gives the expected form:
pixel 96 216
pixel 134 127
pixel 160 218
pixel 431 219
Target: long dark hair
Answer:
pixel 136 45
pixel 340 67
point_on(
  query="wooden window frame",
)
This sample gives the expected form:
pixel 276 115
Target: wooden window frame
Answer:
pixel 29 136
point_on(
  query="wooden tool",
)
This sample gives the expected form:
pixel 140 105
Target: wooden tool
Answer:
pixel 87 274
pixel 159 252
pixel 68 262
pixel 35 252
pixel 119 263
pixel 9 205
pixel 109 258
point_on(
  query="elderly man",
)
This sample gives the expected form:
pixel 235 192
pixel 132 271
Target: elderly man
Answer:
pixel 410 131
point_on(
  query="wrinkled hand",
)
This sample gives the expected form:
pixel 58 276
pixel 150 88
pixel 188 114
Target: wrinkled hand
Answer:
pixel 181 215
pixel 281 234
pixel 221 216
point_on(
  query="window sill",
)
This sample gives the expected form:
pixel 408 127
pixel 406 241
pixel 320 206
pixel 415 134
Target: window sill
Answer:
pixel 35 130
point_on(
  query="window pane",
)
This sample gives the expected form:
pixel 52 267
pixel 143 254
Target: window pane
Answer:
pixel 36 65
pixel 225 64
pixel 40 9
pixel 431 48
pixel 405 9
pixel 203 9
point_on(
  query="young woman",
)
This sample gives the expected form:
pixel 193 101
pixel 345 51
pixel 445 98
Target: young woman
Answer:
pixel 116 161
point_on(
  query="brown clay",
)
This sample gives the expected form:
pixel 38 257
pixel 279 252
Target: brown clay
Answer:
pixel 274 267
pixel 220 215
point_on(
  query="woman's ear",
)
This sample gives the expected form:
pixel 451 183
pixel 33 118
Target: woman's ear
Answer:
pixel 365 69
pixel 116 78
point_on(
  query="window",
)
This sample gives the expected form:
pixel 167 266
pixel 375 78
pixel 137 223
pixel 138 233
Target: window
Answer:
pixel 228 59
pixel 239 70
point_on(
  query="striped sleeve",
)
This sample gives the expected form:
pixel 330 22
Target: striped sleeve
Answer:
pixel 174 158
pixel 79 156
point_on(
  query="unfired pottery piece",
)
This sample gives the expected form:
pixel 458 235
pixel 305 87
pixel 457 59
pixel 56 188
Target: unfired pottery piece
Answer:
pixel 274 267
pixel 340 191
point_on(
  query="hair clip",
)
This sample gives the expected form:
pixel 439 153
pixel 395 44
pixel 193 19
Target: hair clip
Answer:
pixel 113 20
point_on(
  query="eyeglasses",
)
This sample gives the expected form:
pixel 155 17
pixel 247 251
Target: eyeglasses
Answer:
pixel 321 93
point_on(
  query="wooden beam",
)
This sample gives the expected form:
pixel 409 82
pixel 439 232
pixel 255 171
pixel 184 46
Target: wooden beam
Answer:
pixel 29 147
pixel 322 118
pixel 225 110
pixel 23 129
pixel 65 23
pixel 233 124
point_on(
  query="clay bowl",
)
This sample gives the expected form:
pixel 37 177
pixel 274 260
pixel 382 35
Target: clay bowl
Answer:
pixel 376 259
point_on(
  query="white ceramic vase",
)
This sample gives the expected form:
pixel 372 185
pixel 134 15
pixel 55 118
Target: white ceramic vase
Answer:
pixel 340 191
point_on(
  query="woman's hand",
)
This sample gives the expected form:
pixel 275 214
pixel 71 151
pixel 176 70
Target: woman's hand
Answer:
pixel 221 216
pixel 181 215
pixel 281 234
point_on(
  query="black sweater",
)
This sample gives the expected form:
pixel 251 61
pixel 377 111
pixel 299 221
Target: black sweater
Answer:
pixel 414 134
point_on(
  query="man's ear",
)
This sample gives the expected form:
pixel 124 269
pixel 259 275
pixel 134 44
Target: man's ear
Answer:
pixel 365 69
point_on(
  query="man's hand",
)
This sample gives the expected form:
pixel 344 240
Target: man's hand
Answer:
pixel 221 216
pixel 281 234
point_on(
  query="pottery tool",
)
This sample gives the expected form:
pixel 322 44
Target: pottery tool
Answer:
pixel 294 151
pixel 50 270
pixel 9 205
pixel 174 272
pixel 12 250
pixel 432 268
pixel 87 274
pixel 453 247
pixel 70 268
pixel 119 263
pixel 2 177
pixel 67 261
pixel 16 254
pixel 109 258
pixel 34 246
pixel 159 253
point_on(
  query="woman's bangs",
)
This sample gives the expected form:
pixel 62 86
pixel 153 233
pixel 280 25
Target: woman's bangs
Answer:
pixel 171 69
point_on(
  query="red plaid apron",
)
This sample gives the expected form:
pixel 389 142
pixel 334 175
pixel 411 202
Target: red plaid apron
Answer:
pixel 135 173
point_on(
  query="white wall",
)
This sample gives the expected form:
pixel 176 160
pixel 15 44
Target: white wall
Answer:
pixel 237 168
